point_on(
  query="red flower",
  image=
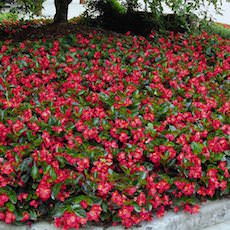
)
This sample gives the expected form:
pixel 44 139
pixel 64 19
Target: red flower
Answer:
pixel 195 209
pixel 17 126
pixel 3 199
pixel 43 191
pixel 103 188
pixel 82 164
pixel 45 115
pixel 27 115
pixel 216 124
pixel 26 216
pixel 125 212
pixel 162 186
pixel 2 216
pixel 155 157
pixel 94 213
pixel 71 220
pixel 160 212
pixel 9 217
pixel 22 196
pixel 141 199
pixel 7 168
pixel 176 209
pixel 132 190
pixel 46 138
pixel 189 189
pixel 34 203
pixel 117 198
pixel 123 137
pixel 145 123
pixel 84 204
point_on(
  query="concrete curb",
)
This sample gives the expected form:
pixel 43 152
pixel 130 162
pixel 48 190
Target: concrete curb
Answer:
pixel 211 213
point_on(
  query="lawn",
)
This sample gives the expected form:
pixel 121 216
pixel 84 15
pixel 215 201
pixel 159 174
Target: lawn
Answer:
pixel 113 129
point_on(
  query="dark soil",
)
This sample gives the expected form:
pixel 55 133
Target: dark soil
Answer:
pixel 48 31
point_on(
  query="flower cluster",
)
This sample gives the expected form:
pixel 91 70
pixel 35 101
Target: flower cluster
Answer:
pixel 112 129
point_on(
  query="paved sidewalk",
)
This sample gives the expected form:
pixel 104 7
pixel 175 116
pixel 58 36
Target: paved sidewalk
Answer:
pixel 223 226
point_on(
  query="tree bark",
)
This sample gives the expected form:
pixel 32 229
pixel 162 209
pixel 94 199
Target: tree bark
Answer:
pixel 61 6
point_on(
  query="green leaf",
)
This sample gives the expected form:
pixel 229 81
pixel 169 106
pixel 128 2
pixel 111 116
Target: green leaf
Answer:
pixel 172 128
pixel 21 131
pixel 197 147
pixel 12 195
pixel 78 179
pixel 116 218
pixel 78 199
pixel 1 88
pixel 151 129
pixel 34 172
pixel 59 209
pixel 38 142
pixel 25 164
pixel 79 212
pixel 25 177
pixel 33 214
pixel 136 94
pixel 55 190
pixel 142 175
pixel 104 207
pixel 29 135
pixel 96 200
pixel 10 206
pixel 81 92
pixel 52 121
pixel 2 114
pixel 105 216
pixel 137 208
pixel 172 162
pixel 18 215
pixel 53 173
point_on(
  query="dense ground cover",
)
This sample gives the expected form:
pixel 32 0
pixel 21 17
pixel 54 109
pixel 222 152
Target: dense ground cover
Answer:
pixel 112 129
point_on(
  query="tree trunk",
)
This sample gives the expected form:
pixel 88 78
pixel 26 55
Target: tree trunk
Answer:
pixel 61 6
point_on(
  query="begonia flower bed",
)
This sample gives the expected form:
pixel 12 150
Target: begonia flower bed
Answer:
pixel 112 129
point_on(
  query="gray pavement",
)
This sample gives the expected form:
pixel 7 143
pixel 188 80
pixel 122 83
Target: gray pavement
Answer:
pixel 222 226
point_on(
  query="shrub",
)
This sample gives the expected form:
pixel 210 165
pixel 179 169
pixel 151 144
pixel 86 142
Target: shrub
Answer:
pixel 104 7
pixel 214 28
pixel 129 16
pixel 106 128
pixel 11 17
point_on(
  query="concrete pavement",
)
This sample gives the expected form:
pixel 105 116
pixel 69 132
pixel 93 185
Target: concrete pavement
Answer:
pixel 222 226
